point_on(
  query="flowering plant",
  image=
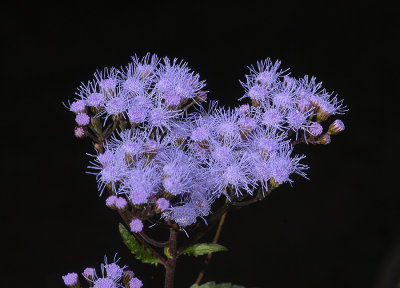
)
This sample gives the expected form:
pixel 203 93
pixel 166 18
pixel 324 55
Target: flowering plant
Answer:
pixel 166 159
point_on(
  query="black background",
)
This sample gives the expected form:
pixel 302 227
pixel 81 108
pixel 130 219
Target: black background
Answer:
pixel 340 229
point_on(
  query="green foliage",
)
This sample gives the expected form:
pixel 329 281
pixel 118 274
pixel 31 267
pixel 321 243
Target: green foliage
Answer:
pixel 213 285
pixel 204 248
pixel 141 253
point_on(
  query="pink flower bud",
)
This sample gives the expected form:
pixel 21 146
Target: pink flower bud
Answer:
pixel 336 127
pixel 325 139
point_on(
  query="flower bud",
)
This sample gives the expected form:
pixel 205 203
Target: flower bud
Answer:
pixel 82 119
pixel 127 275
pixel 89 273
pixel 136 225
pixel 121 204
pixel 315 129
pixel 162 204
pixel 325 139
pixel 71 280
pixel 135 283
pixel 336 127
pixel 79 132
pixel 110 202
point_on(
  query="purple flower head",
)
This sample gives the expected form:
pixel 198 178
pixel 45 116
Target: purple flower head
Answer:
pixel 200 134
pixel 244 109
pixel 184 215
pixel 146 66
pixel 273 118
pixel 78 106
pixel 140 182
pixel 129 142
pixel 236 174
pixel 71 280
pixel 222 154
pixel 162 204
pixel 82 119
pixel 105 283
pixel 114 271
pixel 258 93
pixel 172 99
pixel 226 123
pixel 296 120
pixel 161 117
pixel 179 171
pixel 266 141
pixel 136 225
pixel 115 106
pixel 281 165
pixel 137 114
pixel 112 168
pixel 95 100
pixel 135 283
pixel 134 85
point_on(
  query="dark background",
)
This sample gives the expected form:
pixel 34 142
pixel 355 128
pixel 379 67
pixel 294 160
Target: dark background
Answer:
pixel 340 229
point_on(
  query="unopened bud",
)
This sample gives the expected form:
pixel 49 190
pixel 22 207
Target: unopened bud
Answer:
pixel 162 204
pixel 89 273
pixel 325 139
pixel 71 280
pixel 121 204
pixel 127 275
pixel 110 202
pixel 82 119
pixel 336 127
pixel 79 132
pixel 315 129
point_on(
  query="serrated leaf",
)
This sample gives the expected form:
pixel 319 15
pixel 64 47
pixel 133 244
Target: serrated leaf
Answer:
pixel 204 248
pixel 213 285
pixel 141 253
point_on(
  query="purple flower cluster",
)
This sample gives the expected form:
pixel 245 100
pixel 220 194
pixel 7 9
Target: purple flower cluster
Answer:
pixel 112 276
pixel 164 159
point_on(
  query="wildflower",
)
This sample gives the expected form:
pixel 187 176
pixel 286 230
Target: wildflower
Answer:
pixel 95 100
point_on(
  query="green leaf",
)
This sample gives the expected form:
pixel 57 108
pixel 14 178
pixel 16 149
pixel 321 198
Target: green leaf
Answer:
pixel 213 285
pixel 141 253
pixel 204 248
